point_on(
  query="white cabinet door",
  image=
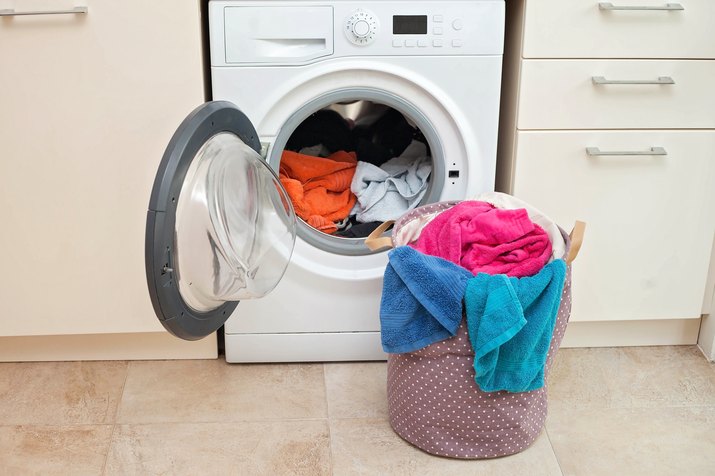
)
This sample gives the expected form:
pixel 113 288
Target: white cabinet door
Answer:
pixel 89 102
pixel 651 218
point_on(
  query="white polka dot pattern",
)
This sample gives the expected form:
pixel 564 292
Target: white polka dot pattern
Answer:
pixel 435 404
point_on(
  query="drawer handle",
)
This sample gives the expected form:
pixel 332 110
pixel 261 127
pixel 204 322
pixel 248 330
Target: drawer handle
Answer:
pixel 667 7
pixel 595 151
pixel 10 12
pixel 660 80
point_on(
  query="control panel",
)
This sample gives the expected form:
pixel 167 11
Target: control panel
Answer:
pixel 419 28
pixel 409 31
pixel 295 32
pixel 425 31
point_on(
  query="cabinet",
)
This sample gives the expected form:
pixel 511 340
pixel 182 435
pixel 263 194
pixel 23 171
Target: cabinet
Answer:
pixel 606 121
pixel 89 102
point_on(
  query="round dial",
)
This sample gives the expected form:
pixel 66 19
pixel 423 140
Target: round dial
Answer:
pixel 361 27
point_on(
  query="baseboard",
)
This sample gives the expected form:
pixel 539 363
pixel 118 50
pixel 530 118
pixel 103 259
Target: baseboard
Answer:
pixel 136 346
pixel 308 347
pixel 632 333
pixel 353 346
pixel 304 347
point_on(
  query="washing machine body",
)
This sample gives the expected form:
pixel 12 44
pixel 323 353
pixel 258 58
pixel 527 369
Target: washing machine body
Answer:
pixel 437 63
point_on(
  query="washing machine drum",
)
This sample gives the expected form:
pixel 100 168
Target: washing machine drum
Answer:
pixel 220 226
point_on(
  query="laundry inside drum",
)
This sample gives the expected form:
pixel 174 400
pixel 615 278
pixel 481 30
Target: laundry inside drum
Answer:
pixel 353 165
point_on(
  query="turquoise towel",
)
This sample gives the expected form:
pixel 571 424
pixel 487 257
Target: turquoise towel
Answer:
pixel 510 323
pixel 421 300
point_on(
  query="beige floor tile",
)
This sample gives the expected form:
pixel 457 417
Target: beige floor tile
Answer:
pixel 241 448
pixel 632 377
pixel 49 450
pixel 60 393
pixel 212 390
pixel 634 441
pixel 356 390
pixel 370 447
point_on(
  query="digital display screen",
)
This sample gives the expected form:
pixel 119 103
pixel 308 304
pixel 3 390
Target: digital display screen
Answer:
pixel 409 25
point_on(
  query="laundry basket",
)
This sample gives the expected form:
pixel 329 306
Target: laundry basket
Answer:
pixel 434 402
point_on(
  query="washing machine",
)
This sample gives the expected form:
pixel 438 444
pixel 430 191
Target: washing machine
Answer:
pixel 222 229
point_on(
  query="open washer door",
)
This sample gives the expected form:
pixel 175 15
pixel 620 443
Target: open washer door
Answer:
pixel 220 225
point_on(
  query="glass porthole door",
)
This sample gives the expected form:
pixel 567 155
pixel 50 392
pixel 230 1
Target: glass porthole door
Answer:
pixel 220 226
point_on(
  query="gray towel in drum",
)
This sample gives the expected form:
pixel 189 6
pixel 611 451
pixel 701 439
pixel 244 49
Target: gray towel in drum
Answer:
pixel 386 192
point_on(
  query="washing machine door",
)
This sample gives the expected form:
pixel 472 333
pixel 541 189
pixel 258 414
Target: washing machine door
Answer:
pixel 220 225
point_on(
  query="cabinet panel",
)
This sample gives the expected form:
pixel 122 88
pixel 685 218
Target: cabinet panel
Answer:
pixel 651 219
pixel 580 29
pixel 89 102
pixel 562 94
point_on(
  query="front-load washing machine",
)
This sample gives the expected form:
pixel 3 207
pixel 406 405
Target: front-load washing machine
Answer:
pixel 221 228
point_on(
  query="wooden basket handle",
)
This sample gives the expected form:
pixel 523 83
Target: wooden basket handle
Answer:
pixel 576 240
pixel 376 242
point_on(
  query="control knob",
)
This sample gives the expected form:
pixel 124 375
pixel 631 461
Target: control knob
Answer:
pixel 361 27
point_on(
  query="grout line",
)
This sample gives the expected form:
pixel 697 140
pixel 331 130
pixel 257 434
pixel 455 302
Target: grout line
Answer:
pixel 331 453
pixel 627 406
pixel 327 420
pixel 114 423
pixel 52 425
pixel 553 450
pixel 211 422
pixel 214 422
pixel 385 418
pixel 109 447
pixel 121 393
pixel 325 389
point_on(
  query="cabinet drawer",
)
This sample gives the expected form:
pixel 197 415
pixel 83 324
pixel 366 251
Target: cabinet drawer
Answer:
pixel 651 219
pixel 562 94
pixel 580 29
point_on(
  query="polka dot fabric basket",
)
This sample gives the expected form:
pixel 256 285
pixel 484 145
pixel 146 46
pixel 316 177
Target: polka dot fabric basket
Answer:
pixel 434 402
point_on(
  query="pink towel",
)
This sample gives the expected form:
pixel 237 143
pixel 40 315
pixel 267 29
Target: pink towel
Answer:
pixel 485 239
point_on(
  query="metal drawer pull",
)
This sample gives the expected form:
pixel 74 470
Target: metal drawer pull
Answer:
pixel 595 151
pixel 10 12
pixel 668 7
pixel 660 80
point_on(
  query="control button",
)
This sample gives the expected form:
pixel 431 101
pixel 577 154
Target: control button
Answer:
pixel 422 43
pixel 438 18
pixel 437 30
pixel 457 24
pixel 410 43
pixel 397 43
pixel 457 43
pixel 437 43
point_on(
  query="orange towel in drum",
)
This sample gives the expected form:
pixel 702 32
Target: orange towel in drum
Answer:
pixel 319 187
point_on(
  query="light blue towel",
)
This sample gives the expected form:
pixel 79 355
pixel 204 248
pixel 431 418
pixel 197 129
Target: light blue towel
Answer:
pixel 510 323
pixel 394 188
pixel 421 300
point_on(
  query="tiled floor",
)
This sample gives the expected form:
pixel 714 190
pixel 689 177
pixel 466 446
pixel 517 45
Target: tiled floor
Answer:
pixel 612 412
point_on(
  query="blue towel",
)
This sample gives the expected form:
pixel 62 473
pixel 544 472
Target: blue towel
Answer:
pixel 421 300
pixel 510 323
